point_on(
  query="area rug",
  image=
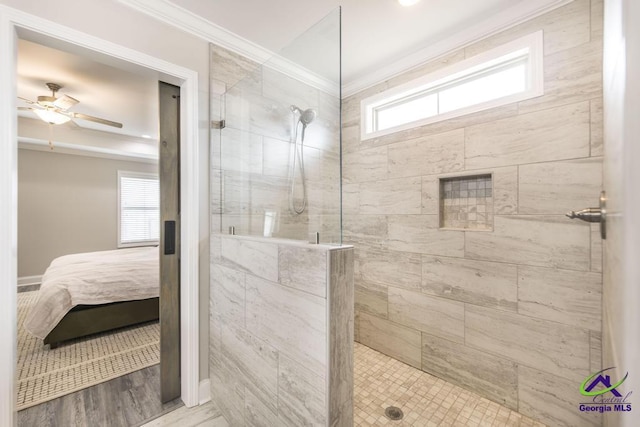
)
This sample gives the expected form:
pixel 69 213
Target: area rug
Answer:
pixel 45 374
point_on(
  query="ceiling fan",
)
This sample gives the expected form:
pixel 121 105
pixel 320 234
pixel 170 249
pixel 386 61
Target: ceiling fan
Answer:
pixel 55 110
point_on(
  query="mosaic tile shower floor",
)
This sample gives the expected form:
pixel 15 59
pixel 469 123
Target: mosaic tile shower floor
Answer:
pixel 380 381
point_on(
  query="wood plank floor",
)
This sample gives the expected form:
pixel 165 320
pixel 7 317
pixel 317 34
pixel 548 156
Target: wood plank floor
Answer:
pixel 127 401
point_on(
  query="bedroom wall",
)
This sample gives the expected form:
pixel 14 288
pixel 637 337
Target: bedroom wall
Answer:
pixel 66 204
pixel 145 34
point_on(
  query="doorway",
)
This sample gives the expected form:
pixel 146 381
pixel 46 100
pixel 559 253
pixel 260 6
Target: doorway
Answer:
pixel 12 24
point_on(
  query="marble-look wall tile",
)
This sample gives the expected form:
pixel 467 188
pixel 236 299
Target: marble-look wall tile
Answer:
pixel 293 321
pixel 256 257
pixel 257 414
pixel 254 361
pixel 597 127
pixel 401 196
pixel 369 230
pixel 480 372
pixel 446 60
pixel 436 316
pixel 595 351
pixel 570 76
pixel 558 187
pixel 350 199
pixel 227 294
pixel 276 155
pixel 426 156
pixel 230 67
pixel 545 241
pixel 390 338
pixel 304 269
pixel 430 195
pixel 552 399
pixel 552 347
pixel 341 364
pixel 564 27
pixel 400 269
pixel 244 193
pixel 489 284
pixel 365 165
pixel 240 151
pixel 302 395
pixel 351 110
pixel 596 248
pixel 547 135
pixel 228 391
pixel 371 298
pixel 569 297
pixel 215 195
pixel 281 88
pixel 350 138
pixel 421 234
pixel 597 19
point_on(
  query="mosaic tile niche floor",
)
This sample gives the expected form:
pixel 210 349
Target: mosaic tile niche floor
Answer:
pixel 380 382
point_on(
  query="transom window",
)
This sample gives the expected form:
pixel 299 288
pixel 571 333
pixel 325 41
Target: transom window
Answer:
pixel 510 73
pixel 138 209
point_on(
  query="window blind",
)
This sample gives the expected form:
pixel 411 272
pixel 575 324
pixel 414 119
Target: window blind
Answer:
pixel 139 209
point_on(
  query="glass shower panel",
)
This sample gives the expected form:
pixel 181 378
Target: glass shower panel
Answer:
pixel 281 142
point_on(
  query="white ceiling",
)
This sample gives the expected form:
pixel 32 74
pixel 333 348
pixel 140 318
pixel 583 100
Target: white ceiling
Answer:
pixel 375 33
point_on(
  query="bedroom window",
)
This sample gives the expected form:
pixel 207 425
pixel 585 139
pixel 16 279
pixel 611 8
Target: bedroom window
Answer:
pixel 138 209
pixel 509 73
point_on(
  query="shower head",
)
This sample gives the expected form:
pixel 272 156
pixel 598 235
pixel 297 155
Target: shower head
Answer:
pixel 306 116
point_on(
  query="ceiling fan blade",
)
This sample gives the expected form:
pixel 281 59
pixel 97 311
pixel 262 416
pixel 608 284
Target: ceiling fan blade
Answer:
pixel 25 109
pixel 28 101
pixel 97 120
pixel 65 102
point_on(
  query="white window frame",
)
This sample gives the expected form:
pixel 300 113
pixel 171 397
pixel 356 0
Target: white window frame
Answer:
pixel 533 44
pixel 129 174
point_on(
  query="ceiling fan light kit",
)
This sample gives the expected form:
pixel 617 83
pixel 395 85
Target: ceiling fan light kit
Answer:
pixel 54 110
pixel 52 117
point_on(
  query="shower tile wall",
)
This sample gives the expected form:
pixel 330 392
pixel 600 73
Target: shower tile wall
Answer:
pixel 253 156
pixel 513 313
pixel 281 339
pixel 281 312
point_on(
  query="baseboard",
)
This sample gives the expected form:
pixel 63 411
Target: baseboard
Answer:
pixel 204 391
pixel 29 280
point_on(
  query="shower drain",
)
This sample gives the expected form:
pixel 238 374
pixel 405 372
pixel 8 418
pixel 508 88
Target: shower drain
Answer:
pixel 393 413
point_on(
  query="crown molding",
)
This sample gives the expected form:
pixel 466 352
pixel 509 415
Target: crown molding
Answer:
pixel 36 144
pixel 508 18
pixel 189 22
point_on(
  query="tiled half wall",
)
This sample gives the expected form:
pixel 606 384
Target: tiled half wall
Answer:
pixel 281 333
pixel 512 313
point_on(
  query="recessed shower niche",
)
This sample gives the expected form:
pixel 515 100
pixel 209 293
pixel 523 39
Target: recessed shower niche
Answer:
pixel 466 202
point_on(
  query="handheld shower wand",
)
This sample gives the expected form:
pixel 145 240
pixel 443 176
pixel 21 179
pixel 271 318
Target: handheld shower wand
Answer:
pixel 305 117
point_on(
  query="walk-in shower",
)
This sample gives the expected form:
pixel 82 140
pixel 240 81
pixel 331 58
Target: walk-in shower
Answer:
pixel 296 170
pixel 279 157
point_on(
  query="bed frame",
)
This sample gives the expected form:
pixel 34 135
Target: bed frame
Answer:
pixel 85 320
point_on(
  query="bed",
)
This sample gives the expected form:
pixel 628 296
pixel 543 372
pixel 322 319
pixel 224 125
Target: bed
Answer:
pixel 88 293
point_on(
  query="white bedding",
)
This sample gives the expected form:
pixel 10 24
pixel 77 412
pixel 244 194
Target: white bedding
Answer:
pixel 93 278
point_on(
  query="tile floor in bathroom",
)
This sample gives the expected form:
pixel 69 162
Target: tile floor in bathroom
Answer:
pixel 380 381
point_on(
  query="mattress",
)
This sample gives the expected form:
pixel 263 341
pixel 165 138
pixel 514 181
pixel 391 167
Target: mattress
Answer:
pixel 93 278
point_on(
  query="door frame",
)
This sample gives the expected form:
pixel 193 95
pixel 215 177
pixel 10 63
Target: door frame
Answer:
pixel 12 20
